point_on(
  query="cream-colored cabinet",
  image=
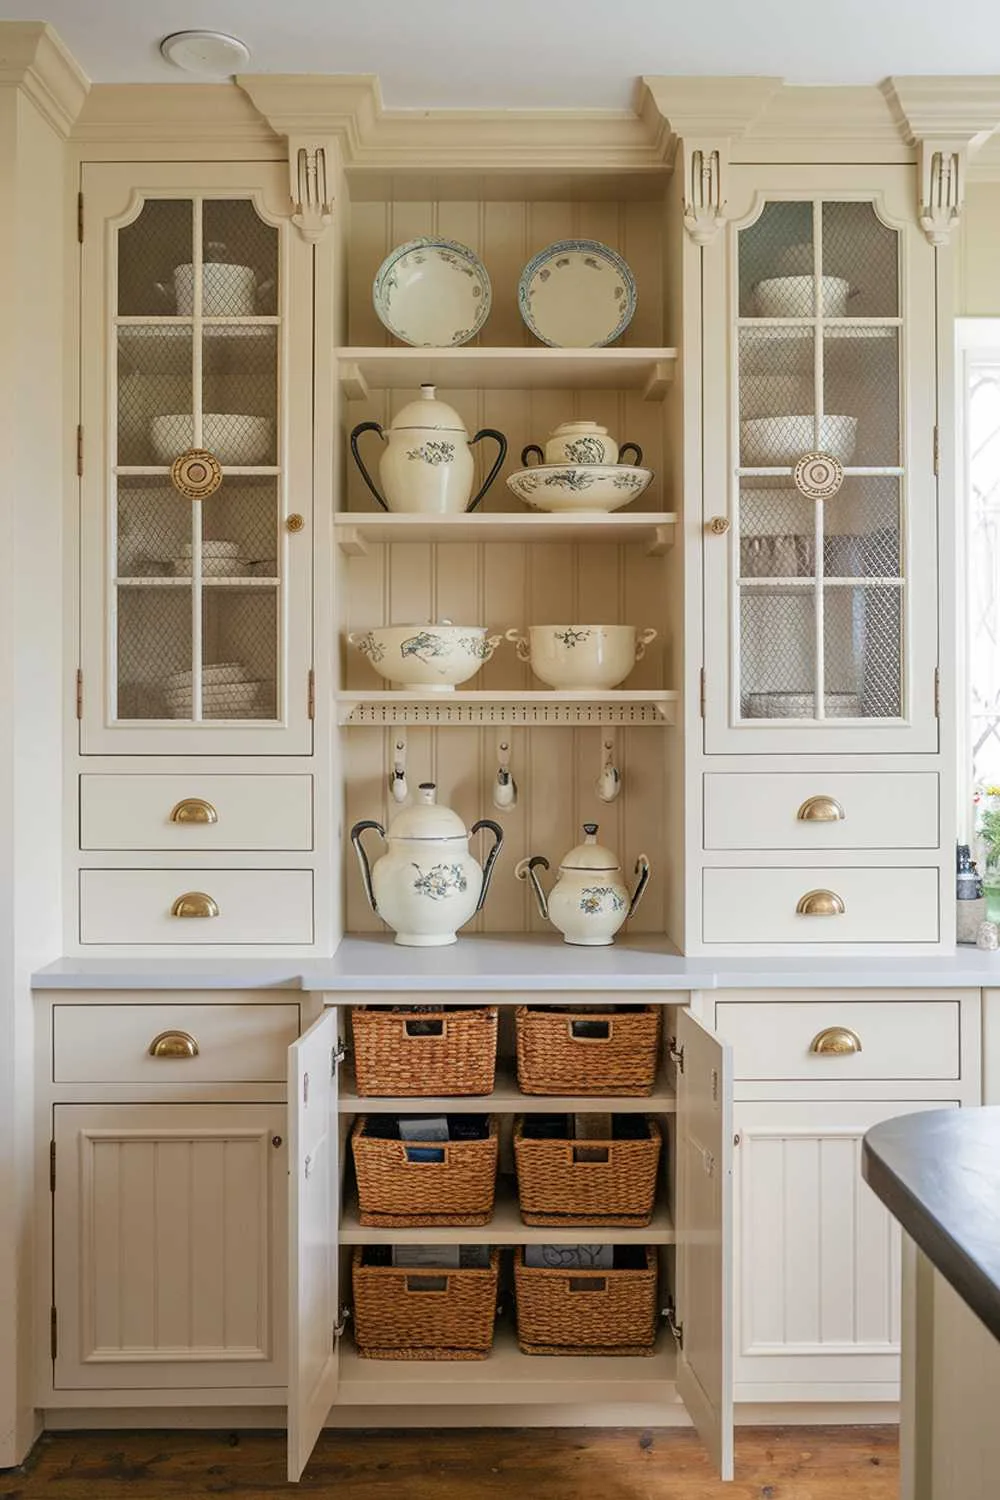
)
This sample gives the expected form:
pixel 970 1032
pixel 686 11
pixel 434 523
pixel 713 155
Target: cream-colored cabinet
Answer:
pixel 195 462
pixel 169 1235
pixel 821 395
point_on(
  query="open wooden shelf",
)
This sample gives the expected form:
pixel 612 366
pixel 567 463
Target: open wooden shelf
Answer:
pixel 356 531
pixel 506 1228
pixel 441 710
pixel 508 1377
pixel 477 367
pixel 507 1099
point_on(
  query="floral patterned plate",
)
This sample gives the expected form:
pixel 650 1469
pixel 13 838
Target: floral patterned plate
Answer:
pixel 579 487
pixel 432 293
pixel 577 294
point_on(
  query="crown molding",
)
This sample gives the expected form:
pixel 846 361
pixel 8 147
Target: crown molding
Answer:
pixel 165 114
pixel 948 120
pixel 709 107
pixel 34 59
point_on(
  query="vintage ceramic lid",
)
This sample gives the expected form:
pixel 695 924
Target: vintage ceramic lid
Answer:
pixel 590 855
pixel 579 429
pixel 427 820
pixel 428 411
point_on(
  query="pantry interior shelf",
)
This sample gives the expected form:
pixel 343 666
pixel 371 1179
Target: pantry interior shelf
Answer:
pixel 478 367
pixel 507 1099
pixel 574 710
pixel 507 1228
pixel 356 531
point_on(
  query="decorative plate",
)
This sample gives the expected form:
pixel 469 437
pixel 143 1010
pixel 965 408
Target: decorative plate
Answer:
pixel 577 294
pixel 433 293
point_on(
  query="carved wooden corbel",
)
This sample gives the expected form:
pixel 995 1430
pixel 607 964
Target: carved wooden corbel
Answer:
pixel 942 189
pixel 312 171
pixel 704 165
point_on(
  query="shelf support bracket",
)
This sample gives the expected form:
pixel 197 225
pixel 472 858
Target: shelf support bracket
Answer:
pixel 660 378
pixel 352 382
pixel 351 542
pixel 661 539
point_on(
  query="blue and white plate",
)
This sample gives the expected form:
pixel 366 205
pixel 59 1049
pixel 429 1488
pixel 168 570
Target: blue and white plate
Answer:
pixel 577 294
pixel 433 293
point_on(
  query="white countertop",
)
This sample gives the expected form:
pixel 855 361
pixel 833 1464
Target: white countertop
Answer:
pixel 519 963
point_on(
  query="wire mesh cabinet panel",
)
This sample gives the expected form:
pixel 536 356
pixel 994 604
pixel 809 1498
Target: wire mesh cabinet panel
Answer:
pixel 820 490
pixel 196 317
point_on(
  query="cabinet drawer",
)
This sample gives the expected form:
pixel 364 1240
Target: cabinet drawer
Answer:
pixel 233 1043
pixel 905 1039
pixel 879 905
pixel 871 810
pixel 195 812
pixel 253 906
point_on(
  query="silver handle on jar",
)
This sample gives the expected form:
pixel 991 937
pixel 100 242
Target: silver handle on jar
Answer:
pixel 525 870
pixel 359 849
pixel 491 858
pixel 501 443
pixel 369 481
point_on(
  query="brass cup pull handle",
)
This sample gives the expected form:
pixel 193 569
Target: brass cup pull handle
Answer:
pixel 194 904
pixel 174 1044
pixel 194 810
pixel 821 810
pixel 820 904
pixel 835 1041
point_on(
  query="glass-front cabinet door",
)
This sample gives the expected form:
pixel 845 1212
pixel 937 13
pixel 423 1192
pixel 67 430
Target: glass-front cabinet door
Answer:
pixel 820 497
pixel 196 452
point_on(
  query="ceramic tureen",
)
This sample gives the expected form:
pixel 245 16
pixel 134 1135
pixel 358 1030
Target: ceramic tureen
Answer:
pixel 427 465
pixel 427 885
pixel 590 900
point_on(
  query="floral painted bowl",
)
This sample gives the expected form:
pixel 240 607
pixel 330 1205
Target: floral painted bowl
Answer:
pixel 582 658
pixel 579 489
pixel 426 658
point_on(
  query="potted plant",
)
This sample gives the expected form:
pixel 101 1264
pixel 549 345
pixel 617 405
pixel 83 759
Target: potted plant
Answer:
pixel 987 803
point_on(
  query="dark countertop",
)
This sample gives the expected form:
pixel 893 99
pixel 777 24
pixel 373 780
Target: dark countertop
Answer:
pixel 938 1173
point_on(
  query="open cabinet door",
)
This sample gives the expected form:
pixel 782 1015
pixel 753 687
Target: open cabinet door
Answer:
pixel 704 1210
pixel 314 1186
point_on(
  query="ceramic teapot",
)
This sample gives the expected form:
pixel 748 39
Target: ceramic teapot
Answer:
pixel 580 443
pixel 427 464
pixel 427 885
pixel 590 900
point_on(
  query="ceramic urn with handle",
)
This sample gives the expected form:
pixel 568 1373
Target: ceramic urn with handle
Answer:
pixel 427 466
pixel 590 900
pixel 427 884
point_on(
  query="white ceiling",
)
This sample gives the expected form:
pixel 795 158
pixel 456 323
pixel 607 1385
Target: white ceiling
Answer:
pixel 536 53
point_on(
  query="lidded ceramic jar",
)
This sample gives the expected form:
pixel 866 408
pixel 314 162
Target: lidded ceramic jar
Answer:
pixel 427 466
pixel 427 884
pixel 590 900
pixel 580 442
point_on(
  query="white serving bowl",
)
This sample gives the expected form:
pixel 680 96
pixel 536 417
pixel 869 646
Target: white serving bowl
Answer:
pixel 233 437
pixel 429 658
pixel 215 674
pixel 772 442
pixel 226 291
pixel 801 706
pixel 233 700
pixel 211 567
pixel 794 297
pixel 577 489
pixel 582 658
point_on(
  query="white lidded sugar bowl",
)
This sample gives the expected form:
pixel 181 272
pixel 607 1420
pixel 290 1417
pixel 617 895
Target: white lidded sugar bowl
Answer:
pixel 427 885
pixel 580 442
pixel 590 900
pixel 427 466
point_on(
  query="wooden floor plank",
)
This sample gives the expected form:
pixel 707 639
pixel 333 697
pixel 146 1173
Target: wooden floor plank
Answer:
pixel 791 1463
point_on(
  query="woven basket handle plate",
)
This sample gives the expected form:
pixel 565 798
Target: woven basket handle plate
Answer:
pixel 590 1031
pixel 438 1159
pixel 425 1283
pixel 433 1028
pixel 587 1283
pixel 588 1156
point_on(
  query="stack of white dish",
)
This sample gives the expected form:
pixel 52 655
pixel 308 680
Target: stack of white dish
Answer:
pixel 226 693
pixel 218 560
pixel 778 442
pixel 233 437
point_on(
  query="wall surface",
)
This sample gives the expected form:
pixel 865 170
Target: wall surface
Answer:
pixel 978 260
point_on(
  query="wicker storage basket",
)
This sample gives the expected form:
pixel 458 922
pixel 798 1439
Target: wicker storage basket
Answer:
pixel 404 1314
pixel 425 1182
pixel 588 1312
pixel 561 1180
pixel 439 1052
pixel 584 1052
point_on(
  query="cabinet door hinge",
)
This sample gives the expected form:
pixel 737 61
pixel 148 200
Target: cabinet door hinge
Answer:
pixel 312 693
pixel 79 693
pixel 79 218
pixel 701 692
pixel 937 449
pixel 53 1332
pixel 676 1054
pixel 337 1055
pixel 937 692
pixel 52 1166
pixel 340 1327
pixel 79 451
pixel 669 1316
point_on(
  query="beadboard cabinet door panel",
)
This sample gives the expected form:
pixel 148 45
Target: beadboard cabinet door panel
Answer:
pixel 818 1280
pixel 169 1243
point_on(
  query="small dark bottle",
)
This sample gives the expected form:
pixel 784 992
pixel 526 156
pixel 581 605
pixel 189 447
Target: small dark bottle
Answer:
pixel 968 886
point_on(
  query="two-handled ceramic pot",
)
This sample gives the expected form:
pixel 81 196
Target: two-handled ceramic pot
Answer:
pixel 427 466
pixel 590 900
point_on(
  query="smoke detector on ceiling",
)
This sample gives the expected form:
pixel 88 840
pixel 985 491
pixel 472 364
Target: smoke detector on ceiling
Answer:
pixel 207 52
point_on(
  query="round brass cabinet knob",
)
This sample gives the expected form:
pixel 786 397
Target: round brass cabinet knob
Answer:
pixel 194 904
pixel 194 810
pixel 835 1041
pixel 196 474
pixel 294 522
pixel 174 1044
pixel 719 525
pixel 821 810
pixel 820 904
